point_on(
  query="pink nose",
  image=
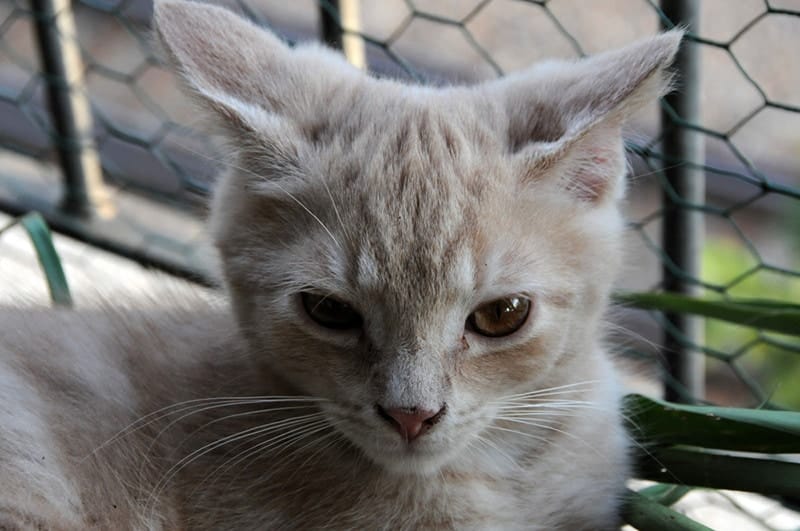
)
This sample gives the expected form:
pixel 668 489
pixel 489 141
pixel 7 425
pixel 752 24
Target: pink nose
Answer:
pixel 410 423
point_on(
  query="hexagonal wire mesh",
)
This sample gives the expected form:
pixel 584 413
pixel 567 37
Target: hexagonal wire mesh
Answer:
pixel 750 123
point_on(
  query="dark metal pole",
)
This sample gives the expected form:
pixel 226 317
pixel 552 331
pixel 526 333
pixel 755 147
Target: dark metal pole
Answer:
pixel 340 24
pixel 330 27
pixel 683 229
pixel 69 108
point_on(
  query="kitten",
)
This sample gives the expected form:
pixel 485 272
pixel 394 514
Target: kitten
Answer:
pixel 416 279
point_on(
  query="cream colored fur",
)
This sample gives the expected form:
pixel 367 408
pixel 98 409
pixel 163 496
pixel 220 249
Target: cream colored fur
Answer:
pixel 413 204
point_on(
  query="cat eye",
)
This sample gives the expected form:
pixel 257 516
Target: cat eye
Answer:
pixel 501 317
pixel 330 312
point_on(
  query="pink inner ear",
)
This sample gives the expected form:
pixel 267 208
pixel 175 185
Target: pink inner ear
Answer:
pixel 593 173
pixel 588 187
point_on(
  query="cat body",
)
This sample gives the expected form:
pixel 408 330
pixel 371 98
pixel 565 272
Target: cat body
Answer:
pixel 410 336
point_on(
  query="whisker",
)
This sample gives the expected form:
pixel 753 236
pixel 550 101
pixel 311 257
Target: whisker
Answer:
pixel 293 434
pixel 643 448
pixel 545 399
pixel 231 416
pixel 530 435
pixel 548 427
pixel 336 442
pixel 318 451
pixel 659 170
pixel 542 392
pixel 565 404
pixel 497 449
pixel 205 449
pixel 225 401
pixel 335 208
pixel 282 441
pixel 630 334
pixel 541 414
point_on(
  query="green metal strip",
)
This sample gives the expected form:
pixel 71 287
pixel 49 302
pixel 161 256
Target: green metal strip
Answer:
pixel 42 240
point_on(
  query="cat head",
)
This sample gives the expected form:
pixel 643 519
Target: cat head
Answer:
pixel 413 254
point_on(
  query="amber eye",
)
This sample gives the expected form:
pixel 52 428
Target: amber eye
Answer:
pixel 501 317
pixel 330 312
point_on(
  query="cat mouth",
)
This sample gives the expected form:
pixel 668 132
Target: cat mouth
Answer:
pixel 415 457
pixel 392 450
pixel 421 456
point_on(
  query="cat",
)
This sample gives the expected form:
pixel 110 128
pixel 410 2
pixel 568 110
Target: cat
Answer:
pixel 410 333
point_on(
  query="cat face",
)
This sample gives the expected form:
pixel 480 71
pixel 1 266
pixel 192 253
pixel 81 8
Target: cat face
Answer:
pixel 415 238
pixel 413 255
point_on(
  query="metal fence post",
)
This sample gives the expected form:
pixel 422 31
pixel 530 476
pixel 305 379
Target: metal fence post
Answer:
pixel 340 21
pixel 72 118
pixel 683 228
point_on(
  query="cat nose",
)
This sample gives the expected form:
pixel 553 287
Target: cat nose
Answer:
pixel 410 423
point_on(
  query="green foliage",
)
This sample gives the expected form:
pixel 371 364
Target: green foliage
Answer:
pixel 757 324
pixel 701 446
pixel 773 316
pixel 731 265
pixel 773 359
pixel 665 493
pixel 659 423
pixel 644 513
pixel 705 468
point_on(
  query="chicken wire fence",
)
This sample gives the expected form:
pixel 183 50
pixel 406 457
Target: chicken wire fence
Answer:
pixel 95 135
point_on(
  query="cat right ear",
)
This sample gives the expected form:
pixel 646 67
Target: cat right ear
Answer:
pixel 565 118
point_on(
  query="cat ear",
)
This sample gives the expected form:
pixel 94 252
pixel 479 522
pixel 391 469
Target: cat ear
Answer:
pixel 219 56
pixel 260 93
pixel 565 119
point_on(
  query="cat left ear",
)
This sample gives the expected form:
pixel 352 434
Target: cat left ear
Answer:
pixel 565 119
pixel 219 57
pixel 260 95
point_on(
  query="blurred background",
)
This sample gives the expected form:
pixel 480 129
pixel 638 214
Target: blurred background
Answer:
pixel 95 135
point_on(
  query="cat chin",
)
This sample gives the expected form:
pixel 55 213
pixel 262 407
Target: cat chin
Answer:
pixel 424 457
pixel 411 460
